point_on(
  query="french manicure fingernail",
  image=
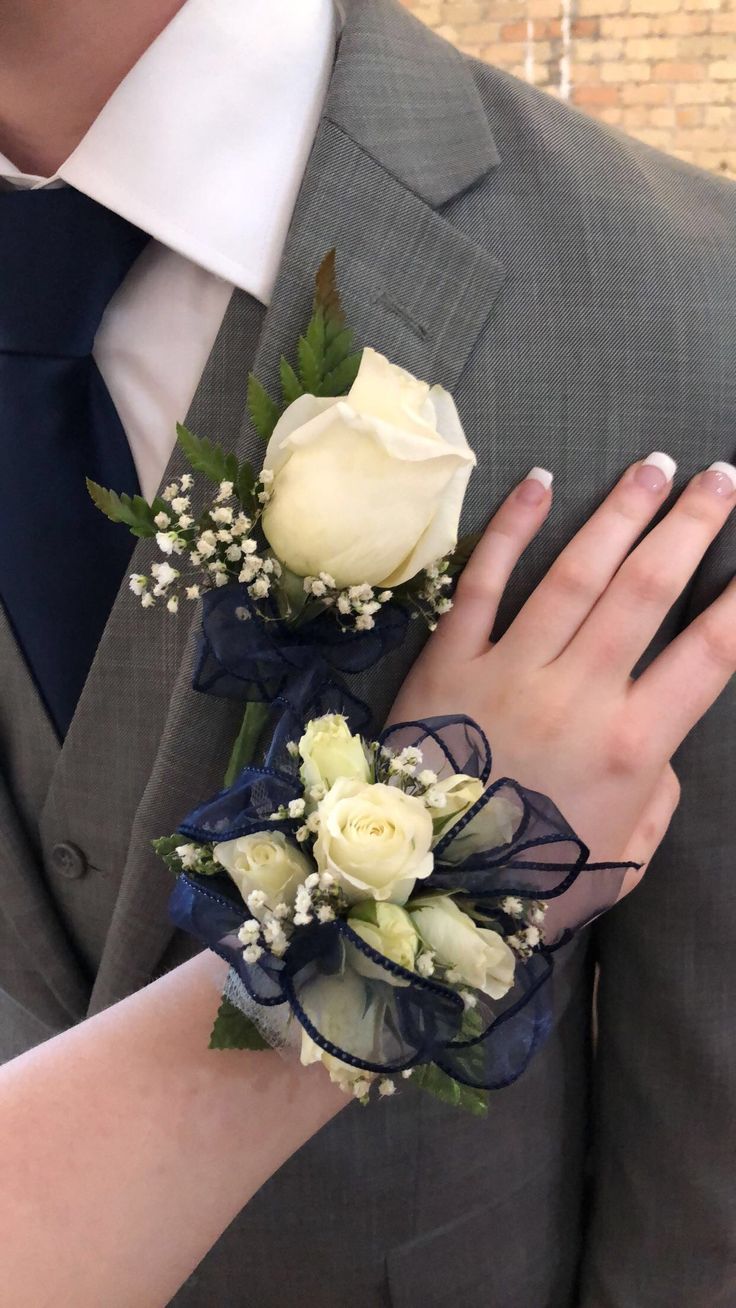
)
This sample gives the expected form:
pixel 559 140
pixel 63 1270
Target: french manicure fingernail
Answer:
pixel 655 472
pixel 720 478
pixel 535 486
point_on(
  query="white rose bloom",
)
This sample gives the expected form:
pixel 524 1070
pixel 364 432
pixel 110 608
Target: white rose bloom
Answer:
pixel 369 486
pixel 482 958
pixel 264 861
pixel 340 1008
pixel 389 930
pixel 374 840
pixel 459 793
pixel 495 824
pixel 329 750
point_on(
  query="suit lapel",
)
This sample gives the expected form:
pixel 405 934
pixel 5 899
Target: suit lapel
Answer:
pixel 413 287
pixel 403 131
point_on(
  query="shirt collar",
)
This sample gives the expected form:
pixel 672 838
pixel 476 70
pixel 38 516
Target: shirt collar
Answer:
pixel 205 141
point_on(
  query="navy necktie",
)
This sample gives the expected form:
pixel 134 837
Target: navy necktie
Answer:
pixel 62 257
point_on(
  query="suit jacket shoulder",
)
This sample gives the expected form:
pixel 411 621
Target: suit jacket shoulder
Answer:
pixel 547 142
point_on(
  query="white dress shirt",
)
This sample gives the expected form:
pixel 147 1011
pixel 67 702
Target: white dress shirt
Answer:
pixel 203 145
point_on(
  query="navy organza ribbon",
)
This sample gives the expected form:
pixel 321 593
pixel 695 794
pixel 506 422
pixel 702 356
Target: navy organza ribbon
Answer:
pixel 411 1019
pixel 255 655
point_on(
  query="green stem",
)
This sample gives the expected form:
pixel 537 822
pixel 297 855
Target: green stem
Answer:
pixel 254 720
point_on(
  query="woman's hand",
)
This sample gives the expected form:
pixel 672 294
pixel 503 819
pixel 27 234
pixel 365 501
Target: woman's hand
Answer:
pixel 555 694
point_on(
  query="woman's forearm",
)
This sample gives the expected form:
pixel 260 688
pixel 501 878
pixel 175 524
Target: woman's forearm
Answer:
pixel 129 1145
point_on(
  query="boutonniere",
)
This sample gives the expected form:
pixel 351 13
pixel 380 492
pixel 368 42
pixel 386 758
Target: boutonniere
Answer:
pixel 309 567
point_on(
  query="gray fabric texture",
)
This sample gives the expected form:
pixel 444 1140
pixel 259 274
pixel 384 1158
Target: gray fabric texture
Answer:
pixel 576 291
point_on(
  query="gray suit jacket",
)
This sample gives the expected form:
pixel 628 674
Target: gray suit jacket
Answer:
pixel 577 293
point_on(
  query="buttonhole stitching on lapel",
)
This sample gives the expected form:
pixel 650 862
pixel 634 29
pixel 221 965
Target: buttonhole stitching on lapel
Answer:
pixel 385 301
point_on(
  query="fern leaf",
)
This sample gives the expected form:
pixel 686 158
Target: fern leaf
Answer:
pixel 264 412
pixel 339 381
pixel 291 387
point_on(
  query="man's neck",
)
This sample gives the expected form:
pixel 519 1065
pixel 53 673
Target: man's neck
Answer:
pixel 60 63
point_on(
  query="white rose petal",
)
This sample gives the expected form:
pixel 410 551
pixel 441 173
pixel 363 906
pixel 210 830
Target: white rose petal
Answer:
pixel 265 862
pixel 342 1009
pixel 479 957
pixel 329 750
pixel 389 462
pixel 389 930
pixel 449 799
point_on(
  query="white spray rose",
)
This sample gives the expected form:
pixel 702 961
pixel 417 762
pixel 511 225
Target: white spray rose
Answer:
pixel 329 750
pixel 368 487
pixel 341 1009
pixel 455 795
pixel 374 839
pixel 389 930
pixel 495 824
pixel 481 957
pixel 264 861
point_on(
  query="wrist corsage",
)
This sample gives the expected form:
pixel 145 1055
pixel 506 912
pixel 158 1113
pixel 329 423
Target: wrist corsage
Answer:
pixel 383 909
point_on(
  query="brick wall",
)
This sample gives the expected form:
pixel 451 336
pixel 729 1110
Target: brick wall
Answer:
pixel 663 70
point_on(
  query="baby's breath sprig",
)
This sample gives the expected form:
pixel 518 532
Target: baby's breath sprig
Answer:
pixel 186 856
pixel 530 915
pixel 221 545
pixel 405 769
pixel 355 606
pixel 317 899
pixel 268 930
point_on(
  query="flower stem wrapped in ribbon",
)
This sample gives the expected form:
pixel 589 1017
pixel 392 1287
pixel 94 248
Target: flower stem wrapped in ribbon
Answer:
pixel 384 909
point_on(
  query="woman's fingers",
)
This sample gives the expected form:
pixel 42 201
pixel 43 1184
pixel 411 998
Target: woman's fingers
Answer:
pixel 651 828
pixel 689 675
pixel 464 632
pixel 563 600
pixel 629 614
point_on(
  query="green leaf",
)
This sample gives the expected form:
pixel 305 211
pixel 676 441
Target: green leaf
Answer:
pixel 291 594
pixel 160 506
pixel 291 387
pixel 338 349
pixel 133 511
pixel 472 1024
pixel 264 412
pixel 339 381
pixel 206 457
pixel 310 373
pixel 165 847
pixel 315 335
pixel 245 486
pixel 233 1030
pixel 254 720
pixel 327 296
pixel 435 1082
pixel 462 552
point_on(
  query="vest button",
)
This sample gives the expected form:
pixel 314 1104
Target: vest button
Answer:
pixel 68 860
